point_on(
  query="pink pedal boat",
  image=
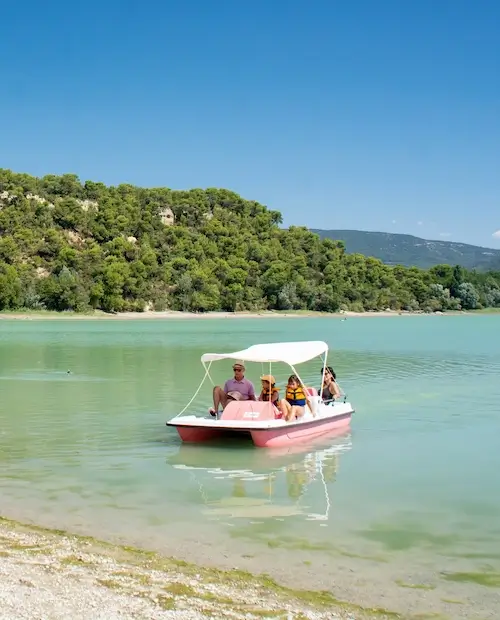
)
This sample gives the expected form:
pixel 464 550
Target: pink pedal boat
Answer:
pixel 261 420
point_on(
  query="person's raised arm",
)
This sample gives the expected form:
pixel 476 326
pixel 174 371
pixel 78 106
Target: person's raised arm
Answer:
pixel 336 391
pixel 309 404
pixel 306 394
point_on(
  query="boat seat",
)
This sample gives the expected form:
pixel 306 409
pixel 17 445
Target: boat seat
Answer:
pixel 312 391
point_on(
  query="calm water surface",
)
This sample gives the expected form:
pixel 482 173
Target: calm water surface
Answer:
pixel 411 494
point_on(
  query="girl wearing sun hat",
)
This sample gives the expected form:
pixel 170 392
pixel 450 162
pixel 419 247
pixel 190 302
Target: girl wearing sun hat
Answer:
pixel 270 392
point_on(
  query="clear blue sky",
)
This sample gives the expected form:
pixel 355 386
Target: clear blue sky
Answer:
pixel 370 114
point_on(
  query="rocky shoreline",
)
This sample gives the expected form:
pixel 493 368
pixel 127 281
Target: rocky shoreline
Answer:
pixel 56 576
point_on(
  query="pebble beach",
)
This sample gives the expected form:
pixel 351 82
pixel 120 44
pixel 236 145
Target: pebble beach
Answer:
pixel 53 576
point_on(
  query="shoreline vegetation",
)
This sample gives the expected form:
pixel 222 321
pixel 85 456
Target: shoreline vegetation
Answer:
pixel 81 247
pixel 178 315
pixel 54 574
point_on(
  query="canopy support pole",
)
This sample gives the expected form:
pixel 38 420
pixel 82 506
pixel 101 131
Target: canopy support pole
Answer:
pixel 324 356
pixel 297 374
pixel 207 374
pixel 270 386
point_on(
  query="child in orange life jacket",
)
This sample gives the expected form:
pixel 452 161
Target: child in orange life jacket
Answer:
pixel 293 405
pixel 269 393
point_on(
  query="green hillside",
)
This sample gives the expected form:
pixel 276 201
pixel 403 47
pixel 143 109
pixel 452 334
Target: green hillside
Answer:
pixel 67 245
pixel 396 249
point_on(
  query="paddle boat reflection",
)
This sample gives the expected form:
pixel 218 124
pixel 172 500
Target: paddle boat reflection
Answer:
pixel 253 484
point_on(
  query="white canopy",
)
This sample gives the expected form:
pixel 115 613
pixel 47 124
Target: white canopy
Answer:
pixel 290 353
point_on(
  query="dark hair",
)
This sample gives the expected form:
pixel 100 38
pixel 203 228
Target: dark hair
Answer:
pixel 295 379
pixel 331 371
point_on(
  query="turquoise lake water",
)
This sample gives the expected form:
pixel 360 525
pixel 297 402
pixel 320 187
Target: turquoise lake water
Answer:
pixel 411 496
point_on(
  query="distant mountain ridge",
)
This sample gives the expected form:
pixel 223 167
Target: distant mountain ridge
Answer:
pixel 410 251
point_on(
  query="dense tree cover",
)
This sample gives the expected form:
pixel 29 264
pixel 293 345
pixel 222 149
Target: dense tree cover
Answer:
pixel 65 245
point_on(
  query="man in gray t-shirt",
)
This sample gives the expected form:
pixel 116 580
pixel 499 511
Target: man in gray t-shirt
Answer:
pixel 237 388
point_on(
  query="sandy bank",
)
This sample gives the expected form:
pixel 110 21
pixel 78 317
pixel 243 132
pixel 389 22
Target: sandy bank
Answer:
pixel 55 576
pixel 165 315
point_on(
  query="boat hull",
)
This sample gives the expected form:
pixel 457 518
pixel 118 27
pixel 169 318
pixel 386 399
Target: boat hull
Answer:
pixel 264 434
pixel 286 436
pixel 197 434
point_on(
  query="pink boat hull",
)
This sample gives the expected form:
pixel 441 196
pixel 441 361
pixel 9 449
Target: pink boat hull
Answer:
pixel 193 434
pixel 285 436
pixel 270 438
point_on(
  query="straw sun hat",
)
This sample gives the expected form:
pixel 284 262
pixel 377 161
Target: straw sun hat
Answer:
pixel 268 378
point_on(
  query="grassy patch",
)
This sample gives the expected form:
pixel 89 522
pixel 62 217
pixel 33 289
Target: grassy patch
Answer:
pixel 140 578
pixel 293 543
pixel 14 545
pixel 490 580
pixel 180 589
pixel 165 602
pixel 270 613
pixel 111 584
pixel 299 544
pixel 48 314
pixel 477 555
pixel 74 560
pixel 430 616
pixel 403 539
pixel 487 311
pixel 358 556
pixel 414 586
pixel 214 598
